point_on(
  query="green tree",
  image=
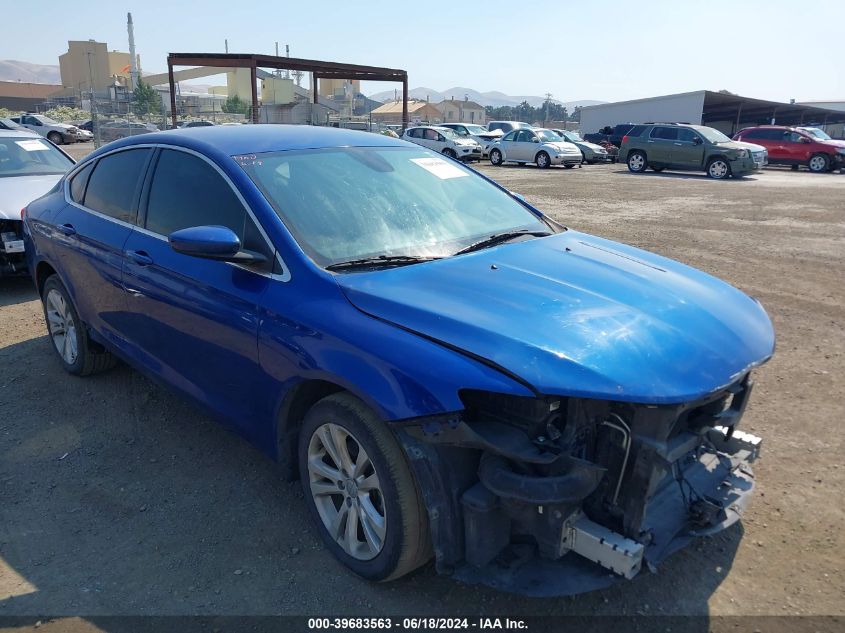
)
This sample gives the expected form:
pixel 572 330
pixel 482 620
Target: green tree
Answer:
pixel 146 99
pixel 235 105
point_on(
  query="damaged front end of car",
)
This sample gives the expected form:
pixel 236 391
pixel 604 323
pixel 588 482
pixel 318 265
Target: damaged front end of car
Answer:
pixel 558 495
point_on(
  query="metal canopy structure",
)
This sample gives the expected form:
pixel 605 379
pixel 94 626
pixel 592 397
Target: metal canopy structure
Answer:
pixel 319 70
pixel 745 112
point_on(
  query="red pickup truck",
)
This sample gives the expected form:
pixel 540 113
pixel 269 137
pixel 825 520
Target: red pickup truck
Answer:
pixel 796 146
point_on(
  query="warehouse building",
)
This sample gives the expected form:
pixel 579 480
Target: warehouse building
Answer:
pixel 728 113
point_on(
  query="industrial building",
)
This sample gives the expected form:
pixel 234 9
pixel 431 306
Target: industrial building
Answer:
pixel 18 96
pixel 418 112
pixel 90 65
pixel 726 112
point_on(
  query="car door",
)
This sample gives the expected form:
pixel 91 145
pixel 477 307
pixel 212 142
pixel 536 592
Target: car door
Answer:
pixel 687 150
pixel 523 146
pixel 433 139
pixel 507 144
pixel 796 146
pixel 100 210
pixel 659 144
pixel 196 320
pixel 31 123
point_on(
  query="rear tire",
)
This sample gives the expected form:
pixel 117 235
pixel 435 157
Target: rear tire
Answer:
pixel 637 162
pixel 353 469
pixel 495 157
pixel 818 163
pixel 76 351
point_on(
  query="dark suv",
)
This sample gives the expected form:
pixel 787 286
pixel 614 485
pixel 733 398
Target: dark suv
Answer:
pixel 689 148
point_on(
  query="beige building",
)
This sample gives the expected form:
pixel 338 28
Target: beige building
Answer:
pixel 89 64
pixel 336 88
pixel 418 112
pixel 466 111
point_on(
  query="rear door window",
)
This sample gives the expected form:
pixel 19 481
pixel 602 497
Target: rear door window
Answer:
pixel 114 185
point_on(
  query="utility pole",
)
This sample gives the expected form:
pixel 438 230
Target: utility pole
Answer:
pixel 548 101
pixel 94 125
pixel 226 46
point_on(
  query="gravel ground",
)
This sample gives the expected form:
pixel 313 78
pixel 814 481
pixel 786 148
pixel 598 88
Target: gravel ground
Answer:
pixel 118 498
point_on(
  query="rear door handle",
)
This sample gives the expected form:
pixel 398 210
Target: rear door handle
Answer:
pixel 139 257
pixel 67 229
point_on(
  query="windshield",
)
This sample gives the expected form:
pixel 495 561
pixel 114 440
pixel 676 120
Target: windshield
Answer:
pixel 30 157
pixel 344 204
pixel 816 133
pixel 548 135
pixel 476 129
pixel 572 137
pixel 712 135
pixel 45 119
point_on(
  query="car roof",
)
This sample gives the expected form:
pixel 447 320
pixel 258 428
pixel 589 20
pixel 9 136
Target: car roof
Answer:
pixel 258 138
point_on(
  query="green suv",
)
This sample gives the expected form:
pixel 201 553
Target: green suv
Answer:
pixel 689 148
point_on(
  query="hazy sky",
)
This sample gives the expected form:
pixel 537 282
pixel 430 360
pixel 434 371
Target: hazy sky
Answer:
pixel 581 49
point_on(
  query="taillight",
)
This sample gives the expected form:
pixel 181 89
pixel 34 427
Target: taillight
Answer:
pixel 624 138
pixel 23 214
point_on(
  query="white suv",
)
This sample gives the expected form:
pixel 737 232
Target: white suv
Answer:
pixel 445 141
pixel 56 132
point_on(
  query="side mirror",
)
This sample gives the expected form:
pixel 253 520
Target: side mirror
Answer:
pixel 803 139
pixel 534 139
pixel 697 141
pixel 212 242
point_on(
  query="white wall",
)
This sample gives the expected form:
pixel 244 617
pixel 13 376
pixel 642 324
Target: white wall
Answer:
pixel 685 107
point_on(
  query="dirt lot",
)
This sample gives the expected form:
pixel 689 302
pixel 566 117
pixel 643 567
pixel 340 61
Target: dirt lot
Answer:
pixel 118 498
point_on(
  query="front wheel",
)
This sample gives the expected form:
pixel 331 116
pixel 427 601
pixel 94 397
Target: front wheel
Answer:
pixel 55 138
pixel 78 354
pixel 718 169
pixel 495 157
pixel 637 162
pixel 450 153
pixel 818 163
pixel 543 160
pixel 360 490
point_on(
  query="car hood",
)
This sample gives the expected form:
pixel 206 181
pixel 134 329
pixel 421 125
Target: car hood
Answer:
pixel 573 314
pixel 833 142
pixel 750 146
pixel 592 146
pixel 18 191
pixel 563 146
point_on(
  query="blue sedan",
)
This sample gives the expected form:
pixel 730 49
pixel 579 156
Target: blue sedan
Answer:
pixel 449 372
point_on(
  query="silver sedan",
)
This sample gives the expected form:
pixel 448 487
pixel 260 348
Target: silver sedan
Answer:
pixel 535 145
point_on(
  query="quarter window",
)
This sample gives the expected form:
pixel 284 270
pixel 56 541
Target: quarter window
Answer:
pixel 113 185
pixel 77 184
pixel 186 191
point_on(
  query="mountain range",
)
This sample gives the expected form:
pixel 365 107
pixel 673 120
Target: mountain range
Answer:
pixel 13 70
pixel 492 98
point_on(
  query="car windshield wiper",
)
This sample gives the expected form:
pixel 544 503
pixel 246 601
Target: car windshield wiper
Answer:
pixel 498 238
pixel 380 261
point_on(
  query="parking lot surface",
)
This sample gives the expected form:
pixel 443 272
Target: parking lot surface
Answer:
pixel 117 497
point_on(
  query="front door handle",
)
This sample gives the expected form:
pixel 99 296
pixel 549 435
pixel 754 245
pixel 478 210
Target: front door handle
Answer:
pixel 67 229
pixel 139 257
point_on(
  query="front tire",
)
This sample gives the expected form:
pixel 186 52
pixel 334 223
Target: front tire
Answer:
pixel 360 490
pixel 450 153
pixel 818 163
pixel 637 162
pixel 78 354
pixel 718 169
pixel 55 138
pixel 495 157
pixel 543 161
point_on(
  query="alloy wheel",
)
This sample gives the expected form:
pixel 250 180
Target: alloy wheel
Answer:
pixel 636 162
pixel 62 327
pixel 347 491
pixel 817 163
pixel 718 169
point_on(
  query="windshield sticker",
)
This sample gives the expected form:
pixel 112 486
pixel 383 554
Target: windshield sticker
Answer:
pixel 440 168
pixel 33 145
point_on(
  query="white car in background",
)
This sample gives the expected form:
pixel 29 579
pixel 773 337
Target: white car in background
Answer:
pixel 537 145
pixel 29 167
pixel 58 133
pixel 478 133
pixel 445 141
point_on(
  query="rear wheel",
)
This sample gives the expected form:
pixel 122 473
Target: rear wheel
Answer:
pixel 495 157
pixel 818 163
pixel 543 160
pixel 637 162
pixel 55 138
pixel 360 490
pixel 718 169
pixel 78 354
